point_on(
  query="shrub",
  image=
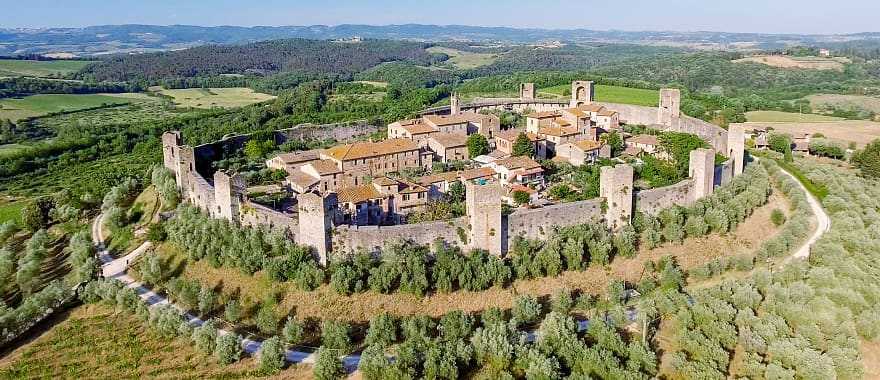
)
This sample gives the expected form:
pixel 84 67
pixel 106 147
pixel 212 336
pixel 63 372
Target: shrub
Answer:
pixel 232 310
pixel 526 309
pixel 271 355
pixel 521 197
pixel 335 335
pixel 266 320
pixel 205 337
pixel 327 365
pixel 777 217
pixel 292 332
pixel 228 348
pixel 207 300
pixel 383 331
pixel 562 301
pixel 156 233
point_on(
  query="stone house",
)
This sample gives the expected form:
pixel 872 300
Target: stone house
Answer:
pixel 363 160
pixel 647 143
pixel 521 170
pixel 582 152
pixel 505 140
pixel 382 201
pixel 448 147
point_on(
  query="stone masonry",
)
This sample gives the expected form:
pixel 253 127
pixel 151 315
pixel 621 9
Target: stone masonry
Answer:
pixel 228 195
pixel 483 204
pixel 526 91
pixel 582 92
pixel 454 104
pixel 315 214
pixel 736 139
pixel 616 186
pixel 702 171
pixel 670 106
pixel 170 144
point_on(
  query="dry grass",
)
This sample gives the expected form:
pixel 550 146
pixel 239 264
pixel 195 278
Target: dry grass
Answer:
pixel 857 131
pixel 464 59
pixel 786 62
pixel 95 342
pixel 216 97
pixel 325 303
pixel 870 103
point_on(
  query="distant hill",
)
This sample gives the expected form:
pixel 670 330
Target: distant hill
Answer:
pixel 95 40
pixel 267 57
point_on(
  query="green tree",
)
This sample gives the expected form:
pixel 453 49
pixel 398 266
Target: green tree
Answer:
pixel 521 197
pixel 868 160
pixel 293 331
pixel 271 355
pixel 383 330
pixel 613 140
pixel 523 146
pixel 327 365
pixel 35 215
pixel 228 349
pixel 477 144
pixel 335 335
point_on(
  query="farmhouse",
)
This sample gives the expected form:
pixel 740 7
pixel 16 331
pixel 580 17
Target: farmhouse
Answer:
pixel 582 152
pixel 382 201
pixel 649 144
pixel 448 147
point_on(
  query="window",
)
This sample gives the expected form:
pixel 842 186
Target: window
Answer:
pixel 405 197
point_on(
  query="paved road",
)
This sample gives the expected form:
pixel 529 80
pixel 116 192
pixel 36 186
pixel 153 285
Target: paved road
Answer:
pixel 118 268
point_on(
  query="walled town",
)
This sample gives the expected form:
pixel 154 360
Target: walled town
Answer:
pixel 356 195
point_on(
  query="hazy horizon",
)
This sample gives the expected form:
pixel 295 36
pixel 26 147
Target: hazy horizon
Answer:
pixel 746 16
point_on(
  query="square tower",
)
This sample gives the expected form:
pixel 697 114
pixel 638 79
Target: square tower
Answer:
pixel 527 91
pixel 670 106
pixel 228 194
pixel 315 214
pixel 616 186
pixel 702 171
pixel 483 202
pixel 454 104
pixel 170 144
pixel 736 141
pixel 581 93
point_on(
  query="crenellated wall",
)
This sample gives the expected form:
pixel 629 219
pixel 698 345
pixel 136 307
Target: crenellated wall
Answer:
pixel 255 215
pixel 653 200
pixel 348 238
pixel 538 223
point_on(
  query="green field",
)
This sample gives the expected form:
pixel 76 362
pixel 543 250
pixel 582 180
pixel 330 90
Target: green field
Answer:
pixel 612 94
pixel 786 117
pixel 215 97
pixel 19 68
pixel 39 105
pixel 11 211
pixel 464 59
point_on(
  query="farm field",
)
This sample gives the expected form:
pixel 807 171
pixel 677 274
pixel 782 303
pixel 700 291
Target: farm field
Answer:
pixel 857 131
pixel 215 97
pixel 612 94
pixel 10 210
pixel 869 103
pixel 150 109
pixel 787 117
pixel 18 68
pixel 95 341
pixel 814 63
pixel 464 59
pixel 38 105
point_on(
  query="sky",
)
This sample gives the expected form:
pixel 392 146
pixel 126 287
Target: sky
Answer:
pixel 761 16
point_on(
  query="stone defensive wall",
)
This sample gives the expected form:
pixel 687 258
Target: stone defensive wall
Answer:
pixel 484 226
pixel 348 238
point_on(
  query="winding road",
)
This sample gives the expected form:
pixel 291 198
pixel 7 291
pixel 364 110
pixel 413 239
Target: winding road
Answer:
pixel 117 269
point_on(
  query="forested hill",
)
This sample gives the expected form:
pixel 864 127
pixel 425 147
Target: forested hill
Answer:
pixel 267 57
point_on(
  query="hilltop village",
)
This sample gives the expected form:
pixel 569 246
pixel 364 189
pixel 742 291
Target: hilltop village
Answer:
pixel 453 174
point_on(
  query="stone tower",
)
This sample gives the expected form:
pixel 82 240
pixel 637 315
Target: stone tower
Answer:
pixel 483 204
pixel 454 104
pixel 228 194
pixel 616 186
pixel 527 91
pixel 736 141
pixel 670 106
pixel 315 213
pixel 186 166
pixel 702 171
pixel 581 93
pixel 170 143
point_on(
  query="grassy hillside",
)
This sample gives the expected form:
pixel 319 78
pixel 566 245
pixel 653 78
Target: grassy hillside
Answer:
pixel 464 59
pixel 96 342
pixel 612 94
pixel 17 68
pixel 38 105
pixel 215 97
pixel 786 117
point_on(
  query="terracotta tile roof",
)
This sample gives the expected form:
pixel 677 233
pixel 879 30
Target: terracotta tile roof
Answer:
pixel 512 134
pixel 471 174
pixel 587 145
pixel 543 115
pixel 562 123
pixel 439 177
pixel 361 150
pixel 412 188
pixel 447 119
pixel 518 162
pixel 591 108
pixel 607 113
pixel 325 167
pixel 450 140
pixel 577 112
pixel 644 140
pixel 497 154
pixel 385 181
pixel 558 132
pixel 517 187
pixel 419 129
pixel 358 194
pixel 298 157
pixel 301 180
pixel 632 151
